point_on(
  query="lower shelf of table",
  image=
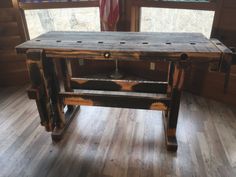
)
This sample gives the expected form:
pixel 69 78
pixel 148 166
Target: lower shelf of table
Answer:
pixel 116 99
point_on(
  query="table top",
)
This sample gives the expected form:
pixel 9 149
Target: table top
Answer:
pixel 140 45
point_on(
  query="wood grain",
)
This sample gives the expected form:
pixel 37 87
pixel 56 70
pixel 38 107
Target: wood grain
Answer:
pixel 12 71
pixel 134 46
pixel 119 85
pixel 116 99
pixel 114 142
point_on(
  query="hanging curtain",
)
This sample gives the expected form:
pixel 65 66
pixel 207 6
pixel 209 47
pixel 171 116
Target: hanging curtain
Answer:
pixel 109 14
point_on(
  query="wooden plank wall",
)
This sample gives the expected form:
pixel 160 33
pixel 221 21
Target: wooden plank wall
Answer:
pixel 225 29
pixel 12 66
pixel 210 84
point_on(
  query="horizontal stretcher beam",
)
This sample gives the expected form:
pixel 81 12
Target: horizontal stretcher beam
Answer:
pixel 119 85
pixel 116 99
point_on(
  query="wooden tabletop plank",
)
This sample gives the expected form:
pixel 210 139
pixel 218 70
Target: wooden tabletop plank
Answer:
pixel 127 42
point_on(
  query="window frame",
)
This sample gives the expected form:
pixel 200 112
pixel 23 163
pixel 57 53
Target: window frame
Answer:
pixel 211 5
pixel 135 11
pixel 21 6
pixel 56 5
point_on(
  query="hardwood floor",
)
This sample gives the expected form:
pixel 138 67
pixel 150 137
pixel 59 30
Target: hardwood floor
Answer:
pixel 113 142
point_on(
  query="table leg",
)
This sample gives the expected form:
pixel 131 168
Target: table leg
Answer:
pixel 176 79
pixel 67 74
pixel 39 90
pixel 61 120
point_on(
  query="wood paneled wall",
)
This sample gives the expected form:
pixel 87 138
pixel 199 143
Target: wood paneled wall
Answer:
pixel 210 84
pixel 5 3
pixel 226 29
pixel 12 66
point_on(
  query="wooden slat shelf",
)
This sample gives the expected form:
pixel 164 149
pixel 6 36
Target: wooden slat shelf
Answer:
pixel 54 5
pixel 127 85
pixel 177 5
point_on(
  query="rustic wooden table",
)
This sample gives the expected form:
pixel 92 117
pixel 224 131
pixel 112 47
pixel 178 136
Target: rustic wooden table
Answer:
pixel 177 49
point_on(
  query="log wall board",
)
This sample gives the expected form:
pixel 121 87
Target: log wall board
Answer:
pixel 13 69
pixel 179 50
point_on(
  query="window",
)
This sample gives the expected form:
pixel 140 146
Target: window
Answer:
pixel 70 19
pixel 176 20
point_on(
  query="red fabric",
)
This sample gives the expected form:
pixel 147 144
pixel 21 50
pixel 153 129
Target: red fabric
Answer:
pixel 109 14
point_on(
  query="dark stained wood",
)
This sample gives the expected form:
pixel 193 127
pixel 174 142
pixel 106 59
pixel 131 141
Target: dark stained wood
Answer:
pixel 221 46
pixel 213 87
pixel 21 20
pixel 12 64
pixel 13 69
pixel 58 134
pixel 5 3
pixel 38 90
pixel 9 42
pixel 119 85
pixel 159 74
pixel 229 4
pixel 9 29
pixel 51 75
pixel 67 74
pixel 224 27
pixel 135 14
pixel 234 56
pixel 225 64
pixel 170 116
pixel 7 15
pixel 53 5
pixel 11 78
pixel 6 66
pixel 176 5
pixel 116 99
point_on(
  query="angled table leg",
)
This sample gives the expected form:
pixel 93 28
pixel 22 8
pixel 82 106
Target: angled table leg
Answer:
pixel 39 90
pixel 60 119
pixel 71 111
pixel 170 117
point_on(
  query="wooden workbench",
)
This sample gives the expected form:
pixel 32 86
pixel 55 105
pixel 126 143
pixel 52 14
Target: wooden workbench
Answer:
pixel 179 50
